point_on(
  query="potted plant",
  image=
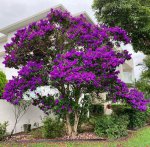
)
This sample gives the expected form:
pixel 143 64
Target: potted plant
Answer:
pixel 27 127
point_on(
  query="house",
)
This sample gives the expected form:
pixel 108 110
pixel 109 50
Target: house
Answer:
pixel 33 115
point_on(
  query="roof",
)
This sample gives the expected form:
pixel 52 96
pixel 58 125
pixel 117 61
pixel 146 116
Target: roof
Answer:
pixel 20 24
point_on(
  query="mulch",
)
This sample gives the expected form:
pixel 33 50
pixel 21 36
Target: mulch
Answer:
pixel 27 138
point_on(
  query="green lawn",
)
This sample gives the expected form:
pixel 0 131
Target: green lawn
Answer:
pixel 139 139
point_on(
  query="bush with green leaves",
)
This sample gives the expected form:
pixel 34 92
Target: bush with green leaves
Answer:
pixel 3 81
pixel 137 119
pixel 148 116
pixel 37 133
pixel 96 110
pixel 112 126
pixel 3 131
pixel 52 128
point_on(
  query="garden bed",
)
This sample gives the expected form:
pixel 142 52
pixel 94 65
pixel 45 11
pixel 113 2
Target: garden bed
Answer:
pixel 87 136
pixel 81 137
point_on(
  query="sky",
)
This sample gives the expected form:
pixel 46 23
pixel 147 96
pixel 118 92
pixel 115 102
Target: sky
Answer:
pixel 12 11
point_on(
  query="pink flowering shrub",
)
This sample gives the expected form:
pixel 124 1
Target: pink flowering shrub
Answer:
pixel 73 56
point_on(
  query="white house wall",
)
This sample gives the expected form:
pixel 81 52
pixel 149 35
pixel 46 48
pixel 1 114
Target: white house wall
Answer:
pixel 33 116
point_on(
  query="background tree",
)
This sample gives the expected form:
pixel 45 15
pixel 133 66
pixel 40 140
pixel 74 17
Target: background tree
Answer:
pixel 3 81
pixel 74 58
pixel 131 15
pixel 143 84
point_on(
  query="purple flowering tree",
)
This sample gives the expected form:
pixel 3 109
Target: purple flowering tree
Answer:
pixel 72 56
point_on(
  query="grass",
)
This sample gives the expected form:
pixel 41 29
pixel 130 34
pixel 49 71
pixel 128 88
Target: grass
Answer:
pixel 141 138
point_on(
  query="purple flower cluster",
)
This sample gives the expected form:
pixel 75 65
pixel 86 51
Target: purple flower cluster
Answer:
pixel 88 67
pixel 31 67
pixel 29 77
pixel 22 43
pixel 136 99
pixel 37 41
pixel 131 96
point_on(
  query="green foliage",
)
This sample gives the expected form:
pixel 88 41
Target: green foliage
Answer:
pixel 3 81
pixel 52 128
pixel 131 15
pixel 118 108
pixel 86 103
pixel 144 86
pixel 83 111
pixel 130 85
pixel 37 133
pixel 3 130
pixel 148 116
pixel 96 110
pixel 137 119
pixel 112 126
pixel 146 66
pixel 144 83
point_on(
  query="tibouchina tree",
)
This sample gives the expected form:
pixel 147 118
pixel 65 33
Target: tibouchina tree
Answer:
pixel 74 57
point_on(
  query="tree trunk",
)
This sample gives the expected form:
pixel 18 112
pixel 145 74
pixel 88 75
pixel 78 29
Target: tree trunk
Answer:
pixel 76 121
pixel 12 132
pixel 68 125
pixel 72 131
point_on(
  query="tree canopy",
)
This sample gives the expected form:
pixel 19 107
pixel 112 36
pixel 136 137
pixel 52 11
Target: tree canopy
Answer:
pixel 131 15
pixel 72 56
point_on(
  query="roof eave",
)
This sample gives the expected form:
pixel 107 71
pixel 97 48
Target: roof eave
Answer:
pixel 20 24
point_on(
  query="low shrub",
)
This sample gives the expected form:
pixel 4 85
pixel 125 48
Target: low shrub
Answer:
pixel 52 128
pixel 93 120
pixel 137 119
pixel 111 126
pixel 3 127
pixel 96 110
pixel 37 133
pixel 118 108
pixel 148 116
